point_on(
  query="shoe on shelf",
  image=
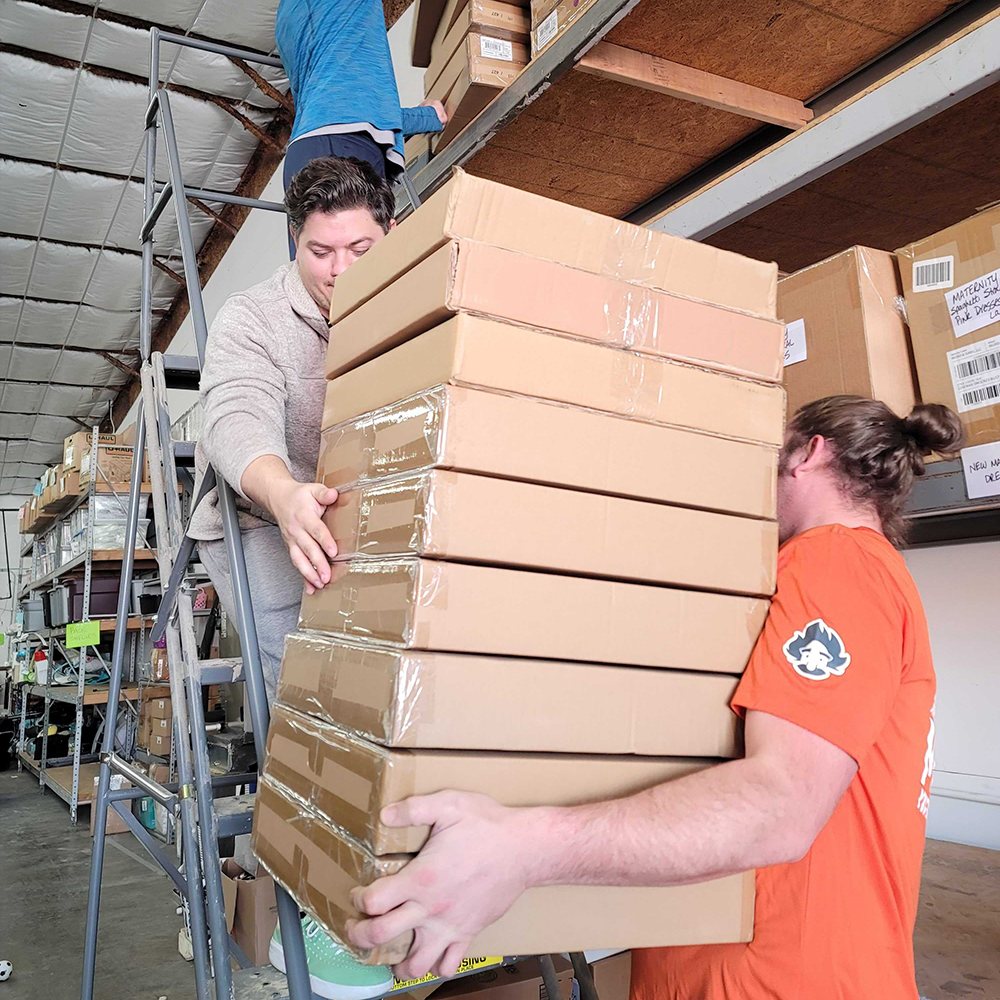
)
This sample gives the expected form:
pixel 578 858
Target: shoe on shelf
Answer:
pixel 333 974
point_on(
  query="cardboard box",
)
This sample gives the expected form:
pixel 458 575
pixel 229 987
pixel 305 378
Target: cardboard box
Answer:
pixel 550 18
pixel 471 80
pixel 161 727
pixel 455 607
pixel 144 734
pixel 159 742
pixel 159 708
pixel 415 148
pixel 114 823
pixel 348 780
pixel 408 698
pixel 845 331
pixel 477 209
pixel 613 976
pixel 500 522
pixel 76 444
pixel 320 867
pixel 463 276
pixel 951 281
pixel 480 352
pixel 452 11
pixel 521 981
pixel 69 484
pixel 113 461
pixel 159 667
pixel 492 20
pixel 426 19
pixel 251 909
pixel 455 428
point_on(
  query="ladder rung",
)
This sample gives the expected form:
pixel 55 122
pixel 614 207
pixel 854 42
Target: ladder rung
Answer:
pixel 184 454
pixel 227 670
pixel 235 814
pixel 181 371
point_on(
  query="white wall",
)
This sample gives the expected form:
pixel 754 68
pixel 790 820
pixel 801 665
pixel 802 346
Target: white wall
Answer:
pixel 960 587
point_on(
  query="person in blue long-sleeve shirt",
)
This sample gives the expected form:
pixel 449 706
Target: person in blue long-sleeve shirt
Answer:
pixel 336 55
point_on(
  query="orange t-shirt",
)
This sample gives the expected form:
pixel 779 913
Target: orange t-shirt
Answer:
pixel 845 654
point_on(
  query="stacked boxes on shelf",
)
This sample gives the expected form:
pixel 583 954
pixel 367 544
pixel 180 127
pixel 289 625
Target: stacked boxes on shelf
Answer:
pixel 555 438
pixel 550 18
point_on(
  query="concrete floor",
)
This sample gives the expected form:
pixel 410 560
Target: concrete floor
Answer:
pixel 45 865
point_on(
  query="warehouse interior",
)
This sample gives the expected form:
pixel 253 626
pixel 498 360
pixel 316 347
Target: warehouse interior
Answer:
pixel 843 144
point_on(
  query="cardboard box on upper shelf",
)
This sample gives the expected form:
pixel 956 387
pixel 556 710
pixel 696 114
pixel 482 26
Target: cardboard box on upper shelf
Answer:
pixel 415 603
pixel 487 212
pixel 845 331
pixel 465 276
pixel 500 522
pixel 550 18
pixel 951 281
pixel 454 427
pixel 451 12
pixel 613 976
pixel 320 867
pixel 114 464
pixel 497 22
pixel 76 444
pixel 417 699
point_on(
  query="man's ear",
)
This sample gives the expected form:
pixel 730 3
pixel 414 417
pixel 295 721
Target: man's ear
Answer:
pixel 815 455
pixel 392 225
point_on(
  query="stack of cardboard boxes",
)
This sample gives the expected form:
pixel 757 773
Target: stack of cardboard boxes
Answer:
pixel 550 18
pixel 479 47
pixel 555 437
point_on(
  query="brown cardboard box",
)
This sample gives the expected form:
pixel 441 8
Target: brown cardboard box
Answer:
pixel 406 698
pixel 490 19
pixel 613 976
pixel 844 319
pixel 251 909
pixel 114 462
pixel 159 666
pixel 522 981
pixel 477 209
pixel 115 823
pixel 451 13
pixel 160 727
pixel 348 780
pixel 480 352
pixel 69 484
pixel 159 743
pixel 320 867
pixel 76 444
pixel 455 607
pixel 474 277
pixel 426 20
pixel 144 734
pixel 471 80
pixel 955 321
pixel 455 428
pixel 550 18
pixel 159 708
pixel 415 147
pixel 501 522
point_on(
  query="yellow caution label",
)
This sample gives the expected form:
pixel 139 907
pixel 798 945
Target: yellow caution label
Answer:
pixel 469 964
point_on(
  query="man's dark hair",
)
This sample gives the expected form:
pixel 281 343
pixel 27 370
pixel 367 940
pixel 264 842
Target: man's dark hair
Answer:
pixel 336 184
pixel 876 453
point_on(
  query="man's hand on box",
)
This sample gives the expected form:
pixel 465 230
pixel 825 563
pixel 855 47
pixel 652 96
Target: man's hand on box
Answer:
pixel 298 508
pixel 476 863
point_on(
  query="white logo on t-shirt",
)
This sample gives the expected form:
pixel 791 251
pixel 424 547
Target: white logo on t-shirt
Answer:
pixel 817 652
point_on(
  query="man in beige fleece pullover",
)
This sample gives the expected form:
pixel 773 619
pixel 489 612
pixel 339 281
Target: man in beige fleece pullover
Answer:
pixel 262 390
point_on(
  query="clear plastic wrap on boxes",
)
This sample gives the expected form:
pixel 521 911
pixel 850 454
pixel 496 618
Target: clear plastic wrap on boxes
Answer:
pixel 114 506
pixel 111 535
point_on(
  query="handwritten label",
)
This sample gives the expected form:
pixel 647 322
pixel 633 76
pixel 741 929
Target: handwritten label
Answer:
pixel 975 374
pixel 83 634
pixel 795 342
pixel 496 48
pixel 975 305
pixel 981 466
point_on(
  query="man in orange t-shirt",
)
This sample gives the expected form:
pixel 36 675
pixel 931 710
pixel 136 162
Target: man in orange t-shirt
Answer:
pixel 828 804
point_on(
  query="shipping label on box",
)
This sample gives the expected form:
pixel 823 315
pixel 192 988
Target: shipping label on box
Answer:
pixel 975 374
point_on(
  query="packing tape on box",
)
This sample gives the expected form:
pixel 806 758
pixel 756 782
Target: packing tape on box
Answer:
pixel 387 518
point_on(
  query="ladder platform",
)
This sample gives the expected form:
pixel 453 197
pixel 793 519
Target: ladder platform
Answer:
pixel 184 454
pixel 181 371
pixel 227 670
pixel 261 983
pixel 235 814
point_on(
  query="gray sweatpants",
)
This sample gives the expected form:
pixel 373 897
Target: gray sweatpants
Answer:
pixel 275 590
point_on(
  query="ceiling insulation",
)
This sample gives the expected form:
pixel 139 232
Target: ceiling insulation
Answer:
pixel 72 98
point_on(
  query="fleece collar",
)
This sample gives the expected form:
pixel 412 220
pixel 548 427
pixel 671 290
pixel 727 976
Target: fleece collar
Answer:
pixel 302 302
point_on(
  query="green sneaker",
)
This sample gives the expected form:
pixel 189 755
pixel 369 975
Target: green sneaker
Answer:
pixel 333 974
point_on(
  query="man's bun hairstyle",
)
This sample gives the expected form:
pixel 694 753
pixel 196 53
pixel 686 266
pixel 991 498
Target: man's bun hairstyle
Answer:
pixel 336 184
pixel 877 453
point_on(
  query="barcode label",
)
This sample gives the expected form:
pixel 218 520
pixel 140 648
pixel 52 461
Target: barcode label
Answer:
pixel 929 275
pixel 496 48
pixel 548 29
pixel 975 374
pixel 978 365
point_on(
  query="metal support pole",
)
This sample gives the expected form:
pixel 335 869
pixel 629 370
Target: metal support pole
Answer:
pixel 549 977
pixel 584 976
pixel 223 50
pixel 204 194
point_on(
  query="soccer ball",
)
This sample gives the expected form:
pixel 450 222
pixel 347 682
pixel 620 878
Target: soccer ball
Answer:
pixel 5 970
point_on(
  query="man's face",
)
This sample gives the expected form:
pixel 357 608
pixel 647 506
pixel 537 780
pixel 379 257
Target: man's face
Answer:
pixel 792 495
pixel 328 244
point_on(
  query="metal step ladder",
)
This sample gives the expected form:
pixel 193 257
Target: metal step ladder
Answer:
pixel 203 818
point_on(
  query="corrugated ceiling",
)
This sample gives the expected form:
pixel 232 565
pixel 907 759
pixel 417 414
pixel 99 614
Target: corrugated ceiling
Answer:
pixel 72 99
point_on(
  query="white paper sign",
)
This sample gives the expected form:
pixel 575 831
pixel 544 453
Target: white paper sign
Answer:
pixel 975 374
pixel 981 466
pixel 496 48
pixel 975 305
pixel 548 29
pixel 795 342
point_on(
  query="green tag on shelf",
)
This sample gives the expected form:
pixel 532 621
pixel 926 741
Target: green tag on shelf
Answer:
pixel 3 638
pixel 83 634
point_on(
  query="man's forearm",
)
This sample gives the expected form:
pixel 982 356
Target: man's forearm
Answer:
pixel 261 477
pixel 705 825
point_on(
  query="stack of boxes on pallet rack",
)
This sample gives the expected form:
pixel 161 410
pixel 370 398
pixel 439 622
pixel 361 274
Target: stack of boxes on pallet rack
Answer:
pixel 555 438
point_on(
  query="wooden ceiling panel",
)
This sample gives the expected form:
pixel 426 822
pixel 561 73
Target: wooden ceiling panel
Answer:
pixel 790 47
pixel 930 177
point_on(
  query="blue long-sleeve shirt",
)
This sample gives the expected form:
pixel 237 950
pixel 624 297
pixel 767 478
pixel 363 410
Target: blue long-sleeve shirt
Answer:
pixel 337 58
